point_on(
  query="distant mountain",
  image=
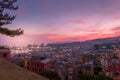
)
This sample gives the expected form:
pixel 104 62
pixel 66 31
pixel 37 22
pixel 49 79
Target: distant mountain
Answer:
pixel 104 40
pixel 87 45
pixel 95 41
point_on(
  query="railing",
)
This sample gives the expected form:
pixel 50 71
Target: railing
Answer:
pixel 4 50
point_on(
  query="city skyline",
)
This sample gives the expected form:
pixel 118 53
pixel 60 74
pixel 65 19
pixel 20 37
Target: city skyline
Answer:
pixel 46 21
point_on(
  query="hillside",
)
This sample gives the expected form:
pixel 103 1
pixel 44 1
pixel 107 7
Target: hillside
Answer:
pixel 9 71
pixel 87 45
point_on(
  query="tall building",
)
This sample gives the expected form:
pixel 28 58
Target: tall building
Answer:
pixel 70 73
pixel 81 60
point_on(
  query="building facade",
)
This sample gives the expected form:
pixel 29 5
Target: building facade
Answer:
pixel 39 66
pixel 5 53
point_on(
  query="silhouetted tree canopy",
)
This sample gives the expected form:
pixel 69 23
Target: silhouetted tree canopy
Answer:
pixel 93 77
pixel 6 18
pixel 51 75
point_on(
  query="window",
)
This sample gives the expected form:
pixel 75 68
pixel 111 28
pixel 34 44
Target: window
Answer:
pixel 28 67
pixel 5 55
pixel 38 65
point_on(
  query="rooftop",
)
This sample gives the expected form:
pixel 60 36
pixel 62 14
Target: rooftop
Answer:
pixel 45 60
pixel 5 50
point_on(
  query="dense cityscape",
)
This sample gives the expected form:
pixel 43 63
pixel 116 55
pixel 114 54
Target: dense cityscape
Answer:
pixel 60 40
pixel 71 60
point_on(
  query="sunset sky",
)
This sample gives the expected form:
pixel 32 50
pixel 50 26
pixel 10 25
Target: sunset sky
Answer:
pixel 48 21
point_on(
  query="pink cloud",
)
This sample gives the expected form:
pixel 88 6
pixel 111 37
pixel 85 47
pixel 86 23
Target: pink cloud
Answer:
pixel 116 17
pixel 116 28
pixel 46 38
pixel 86 35
pixel 116 31
pixel 60 38
pixel 79 22
pixel 107 35
pixel 56 37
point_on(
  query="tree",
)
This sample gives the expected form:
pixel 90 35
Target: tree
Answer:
pixel 51 75
pixel 93 77
pixel 6 18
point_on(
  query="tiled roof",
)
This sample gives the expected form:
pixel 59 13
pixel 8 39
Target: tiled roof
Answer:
pixel 45 60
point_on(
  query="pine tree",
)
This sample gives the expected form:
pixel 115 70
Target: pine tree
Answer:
pixel 6 18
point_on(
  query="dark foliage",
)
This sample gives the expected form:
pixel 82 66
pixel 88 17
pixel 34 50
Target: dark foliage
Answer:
pixel 93 77
pixel 51 75
pixel 5 18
